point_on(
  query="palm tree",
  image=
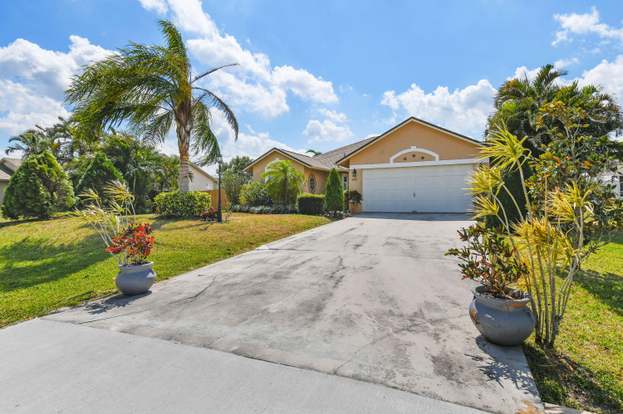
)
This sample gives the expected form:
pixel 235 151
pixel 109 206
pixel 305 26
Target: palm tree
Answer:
pixel 283 181
pixel 32 141
pixel 150 88
pixel 313 152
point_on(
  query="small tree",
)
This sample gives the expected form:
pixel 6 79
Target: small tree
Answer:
pixel 283 181
pixel 234 177
pixel 334 193
pixel 98 173
pixel 38 188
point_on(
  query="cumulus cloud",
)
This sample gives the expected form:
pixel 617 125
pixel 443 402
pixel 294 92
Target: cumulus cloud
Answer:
pixel 584 24
pixel 33 81
pixel 608 75
pixel 47 71
pixel 254 85
pixel 159 6
pixel 462 110
pixel 331 129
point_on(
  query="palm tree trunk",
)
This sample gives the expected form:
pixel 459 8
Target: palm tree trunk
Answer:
pixel 183 144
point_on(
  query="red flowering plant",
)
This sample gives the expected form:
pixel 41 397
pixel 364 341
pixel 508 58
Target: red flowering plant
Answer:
pixel 135 243
pixel 113 220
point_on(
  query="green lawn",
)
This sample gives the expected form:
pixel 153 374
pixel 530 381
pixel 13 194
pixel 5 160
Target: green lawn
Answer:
pixel 586 369
pixel 45 265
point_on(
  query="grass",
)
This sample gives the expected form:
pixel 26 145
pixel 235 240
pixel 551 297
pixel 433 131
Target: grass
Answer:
pixel 585 370
pixel 45 265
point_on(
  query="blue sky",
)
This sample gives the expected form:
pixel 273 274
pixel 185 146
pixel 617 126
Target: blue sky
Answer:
pixel 315 74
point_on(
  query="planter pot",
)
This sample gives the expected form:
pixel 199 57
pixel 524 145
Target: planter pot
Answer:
pixel 501 321
pixel 135 279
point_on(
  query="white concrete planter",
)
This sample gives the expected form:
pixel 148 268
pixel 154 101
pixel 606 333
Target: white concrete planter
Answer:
pixel 135 279
pixel 501 321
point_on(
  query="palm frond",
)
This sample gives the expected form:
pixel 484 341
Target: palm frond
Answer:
pixel 219 104
pixel 205 143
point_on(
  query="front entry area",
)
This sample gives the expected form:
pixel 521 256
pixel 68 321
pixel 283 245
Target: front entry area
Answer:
pixel 421 189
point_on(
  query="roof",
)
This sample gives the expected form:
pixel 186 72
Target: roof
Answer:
pixel 4 176
pixel 332 158
pixel 11 164
pixel 403 123
pixel 324 161
pixel 203 172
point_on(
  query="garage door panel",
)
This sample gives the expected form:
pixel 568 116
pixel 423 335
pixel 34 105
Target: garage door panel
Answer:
pixel 439 188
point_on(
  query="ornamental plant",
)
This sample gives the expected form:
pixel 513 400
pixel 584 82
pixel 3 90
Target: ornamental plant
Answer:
pixel 549 240
pixel 114 221
pixel 334 193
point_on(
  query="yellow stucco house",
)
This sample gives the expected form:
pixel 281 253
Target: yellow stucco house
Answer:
pixel 415 166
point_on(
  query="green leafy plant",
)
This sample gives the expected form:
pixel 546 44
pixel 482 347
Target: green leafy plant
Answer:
pixel 489 258
pixel 334 193
pixel 310 203
pixel 180 204
pixel 38 188
pixel 97 173
pixel 254 194
pixel 283 181
pixel 549 238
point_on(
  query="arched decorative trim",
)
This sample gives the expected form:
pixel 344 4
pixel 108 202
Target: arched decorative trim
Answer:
pixel 413 149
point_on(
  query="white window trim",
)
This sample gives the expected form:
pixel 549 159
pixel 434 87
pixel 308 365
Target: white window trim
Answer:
pixel 416 164
pixel 413 149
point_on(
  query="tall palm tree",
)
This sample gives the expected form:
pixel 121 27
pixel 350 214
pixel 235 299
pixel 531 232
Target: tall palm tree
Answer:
pixel 313 152
pixel 150 88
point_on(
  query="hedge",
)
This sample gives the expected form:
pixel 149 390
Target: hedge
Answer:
pixel 179 204
pixel 310 203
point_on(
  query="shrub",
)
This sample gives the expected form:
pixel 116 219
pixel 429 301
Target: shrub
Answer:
pixel 38 188
pixel 254 194
pixel 182 204
pixel 310 203
pixel 334 193
pixel 99 171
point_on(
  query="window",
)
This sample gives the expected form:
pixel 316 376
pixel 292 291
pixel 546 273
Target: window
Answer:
pixel 345 181
pixel 621 186
pixel 312 184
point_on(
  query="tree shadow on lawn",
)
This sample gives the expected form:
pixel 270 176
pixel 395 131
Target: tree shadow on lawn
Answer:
pixel 605 287
pixel 563 381
pixel 33 261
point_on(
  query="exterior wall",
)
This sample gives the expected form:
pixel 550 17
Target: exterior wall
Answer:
pixel 412 134
pixel 420 136
pixel 3 186
pixel 321 176
pixel 200 182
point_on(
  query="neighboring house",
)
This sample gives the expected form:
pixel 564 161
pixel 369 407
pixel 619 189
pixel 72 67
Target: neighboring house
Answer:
pixel 415 166
pixel 615 180
pixel 8 166
pixel 201 180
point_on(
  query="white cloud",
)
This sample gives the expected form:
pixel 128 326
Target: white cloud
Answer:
pixel 333 129
pixel 33 81
pixel 333 115
pixel 584 24
pixel 608 75
pixel 159 6
pixel 462 110
pixel 22 108
pixel 47 71
pixel 255 85
pixel 304 84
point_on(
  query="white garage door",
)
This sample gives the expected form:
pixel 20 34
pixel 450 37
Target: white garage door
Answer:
pixel 426 189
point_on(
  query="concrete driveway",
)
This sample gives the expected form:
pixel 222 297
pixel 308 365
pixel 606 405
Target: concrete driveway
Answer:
pixel 370 298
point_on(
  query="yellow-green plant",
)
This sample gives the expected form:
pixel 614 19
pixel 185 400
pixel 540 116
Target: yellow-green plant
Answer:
pixel 112 218
pixel 550 237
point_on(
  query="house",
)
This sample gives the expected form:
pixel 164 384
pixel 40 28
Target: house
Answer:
pixel 415 166
pixel 8 166
pixel 201 180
